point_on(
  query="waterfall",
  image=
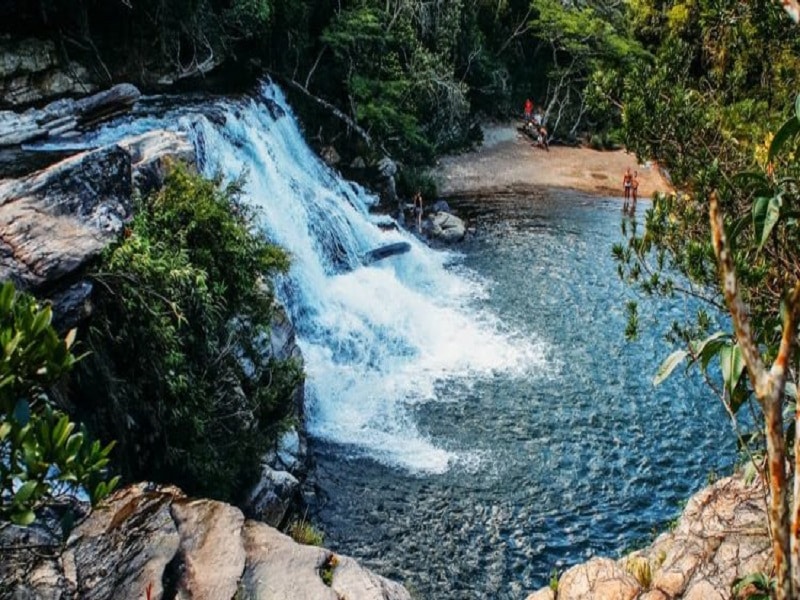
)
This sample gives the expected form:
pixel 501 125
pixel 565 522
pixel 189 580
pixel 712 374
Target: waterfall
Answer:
pixel 378 339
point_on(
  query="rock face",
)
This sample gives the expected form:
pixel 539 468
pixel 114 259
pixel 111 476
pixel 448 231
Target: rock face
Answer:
pixel 285 466
pixel 64 117
pixel 721 536
pixel 31 72
pixel 55 221
pixel 153 542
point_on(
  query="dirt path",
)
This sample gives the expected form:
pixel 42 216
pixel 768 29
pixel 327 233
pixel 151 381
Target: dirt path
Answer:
pixel 508 162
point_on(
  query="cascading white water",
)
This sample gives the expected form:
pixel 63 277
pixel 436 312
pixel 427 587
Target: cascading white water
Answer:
pixel 376 339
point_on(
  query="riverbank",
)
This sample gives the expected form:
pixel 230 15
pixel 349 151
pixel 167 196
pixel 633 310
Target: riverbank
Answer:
pixel 509 163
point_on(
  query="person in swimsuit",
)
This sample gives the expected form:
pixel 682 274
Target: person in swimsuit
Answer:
pixel 418 209
pixel 627 182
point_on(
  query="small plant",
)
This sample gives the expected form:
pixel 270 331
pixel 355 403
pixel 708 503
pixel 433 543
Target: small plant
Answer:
pixel 326 572
pixel 303 532
pixel 756 586
pixel 554 579
pixel 639 567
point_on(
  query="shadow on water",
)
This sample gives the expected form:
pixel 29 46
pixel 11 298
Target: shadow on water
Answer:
pixel 583 458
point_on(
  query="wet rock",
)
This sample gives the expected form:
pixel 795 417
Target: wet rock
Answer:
pixel 153 153
pixel 721 536
pixel 446 227
pixel 330 156
pixel 358 163
pixel 65 116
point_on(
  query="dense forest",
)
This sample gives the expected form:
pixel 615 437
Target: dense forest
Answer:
pixel 705 87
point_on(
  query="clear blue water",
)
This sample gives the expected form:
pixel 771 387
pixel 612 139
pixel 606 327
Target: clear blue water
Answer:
pixel 578 456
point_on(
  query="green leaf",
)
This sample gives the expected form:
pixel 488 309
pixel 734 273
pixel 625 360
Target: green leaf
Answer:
pixel 732 365
pixel 6 296
pixel 25 492
pixel 797 107
pixel 787 132
pixel 24 517
pixel 669 365
pixel 766 213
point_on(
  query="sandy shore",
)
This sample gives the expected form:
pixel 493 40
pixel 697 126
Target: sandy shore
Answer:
pixel 509 163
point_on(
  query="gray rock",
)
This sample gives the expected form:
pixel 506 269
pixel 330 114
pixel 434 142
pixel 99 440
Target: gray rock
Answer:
pixel 152 154
pixel 53 222
pixel 441 206
pixel 72 305
pixel 273 497
pixel 358 163
pixel 124 546
pixel 66 115
pixel 446 227
pixel 330 156
pixel 387 167
pixel 32 72
pixel 145 538
pixel 289 449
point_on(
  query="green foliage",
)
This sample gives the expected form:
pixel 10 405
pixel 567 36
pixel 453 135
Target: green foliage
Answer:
pixel 41 454
pixel 756 586
pixel 554 579
pixel 410 180
pixel 303 532
pixel 326 572
pixel 179 374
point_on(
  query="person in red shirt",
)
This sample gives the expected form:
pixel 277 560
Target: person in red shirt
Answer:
pixel 528 110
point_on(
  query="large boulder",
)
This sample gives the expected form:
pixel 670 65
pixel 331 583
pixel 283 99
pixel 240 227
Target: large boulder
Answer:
pixel 721 536
pixel 147 541
pixel 447 227
pixel 53 222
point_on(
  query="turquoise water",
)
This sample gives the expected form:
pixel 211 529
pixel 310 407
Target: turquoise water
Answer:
pixel 576 456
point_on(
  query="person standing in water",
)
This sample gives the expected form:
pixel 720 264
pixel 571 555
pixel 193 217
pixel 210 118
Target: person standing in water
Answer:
pixel 634 190
pixel 627 182
pixel 418 210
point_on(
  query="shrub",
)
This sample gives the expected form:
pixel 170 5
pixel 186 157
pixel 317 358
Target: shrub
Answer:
pixel 303 532
pixel 41 454
pixel 179 374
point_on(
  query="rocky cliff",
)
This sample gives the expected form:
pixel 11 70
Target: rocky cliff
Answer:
pixel 721 536
pixel 153 542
